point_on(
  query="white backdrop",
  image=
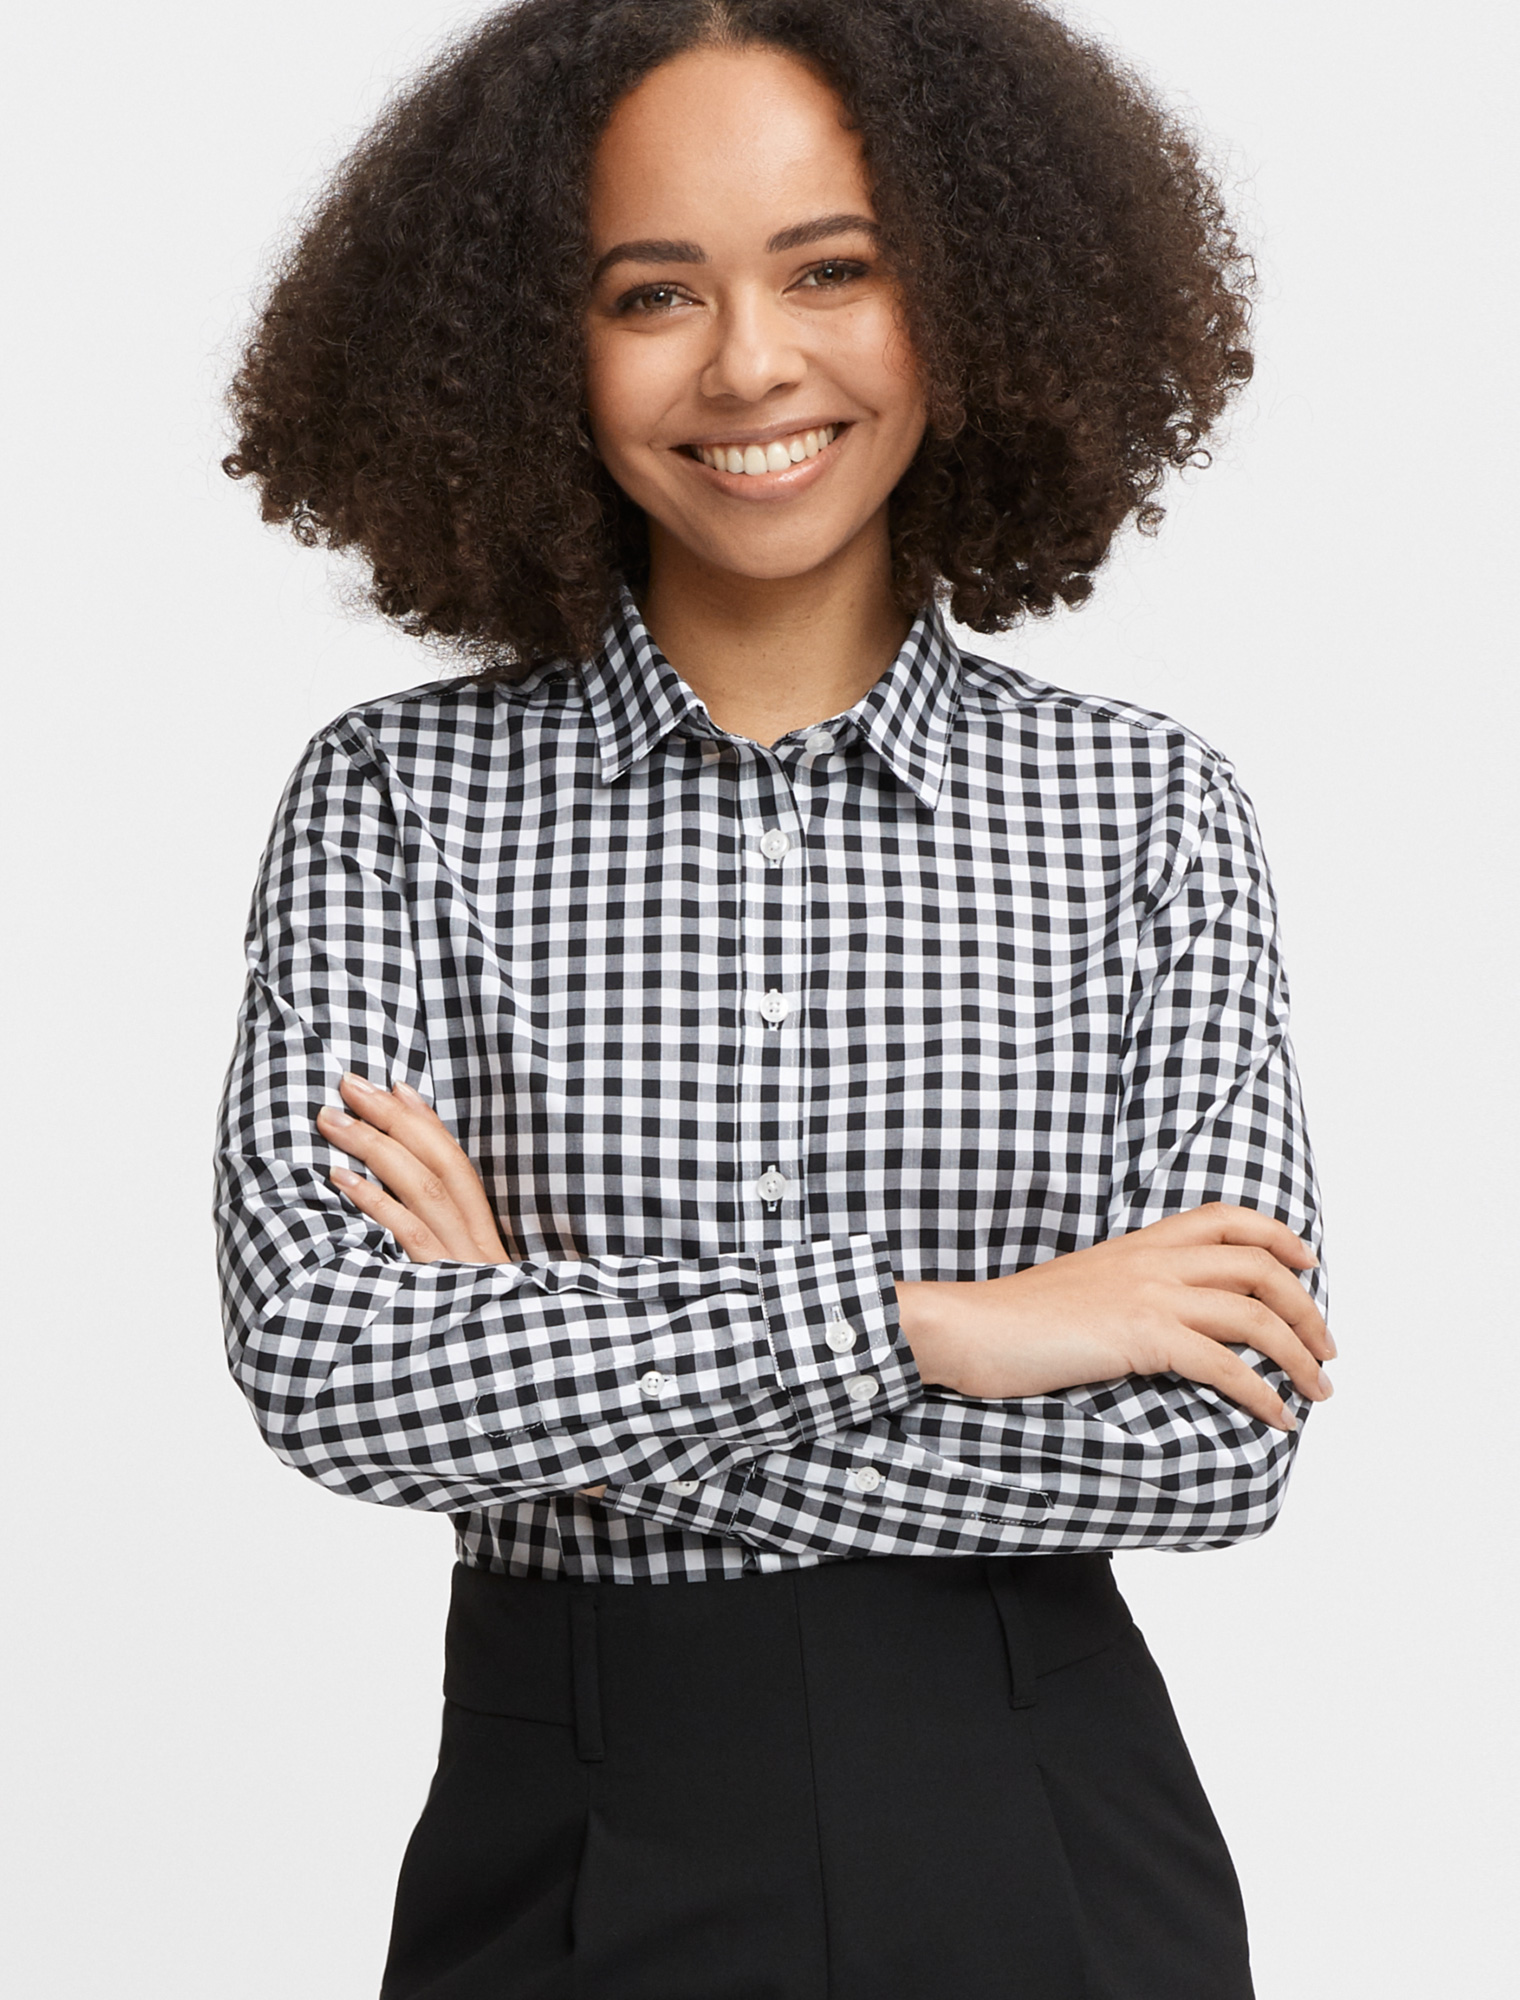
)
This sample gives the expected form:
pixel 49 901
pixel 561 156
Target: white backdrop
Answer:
pixel 221 1681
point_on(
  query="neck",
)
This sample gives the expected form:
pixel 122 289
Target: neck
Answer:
pixel 767 655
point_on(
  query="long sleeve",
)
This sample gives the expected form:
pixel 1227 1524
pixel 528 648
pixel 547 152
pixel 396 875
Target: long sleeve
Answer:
pixel 456 1386
pixel 1207 1109
pixel 973 976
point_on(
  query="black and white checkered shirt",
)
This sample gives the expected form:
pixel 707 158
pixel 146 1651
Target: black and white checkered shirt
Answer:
pixel 976 974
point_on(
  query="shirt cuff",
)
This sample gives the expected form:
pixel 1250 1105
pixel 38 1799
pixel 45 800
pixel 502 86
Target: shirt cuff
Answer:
pixel 861 1496
pixel 877 1502
pixel 831 1314
pixel 697 1506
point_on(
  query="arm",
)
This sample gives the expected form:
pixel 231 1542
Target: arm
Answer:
pixel 456 1383
pixel 1111 1398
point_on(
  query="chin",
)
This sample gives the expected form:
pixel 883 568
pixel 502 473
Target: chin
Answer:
pixel 770 568
pixel 770 558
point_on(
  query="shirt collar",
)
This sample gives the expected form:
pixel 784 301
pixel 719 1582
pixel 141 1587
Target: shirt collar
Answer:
pixel 637 699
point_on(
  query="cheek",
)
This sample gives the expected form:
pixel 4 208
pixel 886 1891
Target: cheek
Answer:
pixel 630 383
pixel 874 359
pixel 607 393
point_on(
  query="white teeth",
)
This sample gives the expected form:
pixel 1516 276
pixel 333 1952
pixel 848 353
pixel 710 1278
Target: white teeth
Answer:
pixel 774 457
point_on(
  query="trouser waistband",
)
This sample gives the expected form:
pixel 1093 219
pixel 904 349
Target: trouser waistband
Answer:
pixel 541 1649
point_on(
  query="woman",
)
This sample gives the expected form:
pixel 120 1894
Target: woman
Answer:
pixel 830 1127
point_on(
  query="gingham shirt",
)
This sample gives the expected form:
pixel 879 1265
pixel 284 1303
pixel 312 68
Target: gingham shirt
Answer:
pixel 975 974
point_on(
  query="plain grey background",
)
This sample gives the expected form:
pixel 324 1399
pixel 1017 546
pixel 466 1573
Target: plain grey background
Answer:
pixel 221 1681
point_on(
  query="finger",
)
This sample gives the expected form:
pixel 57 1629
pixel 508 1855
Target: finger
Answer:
pixel 1229 1316
pixel 410 1231
pixel 415 1186
pixel 405 1116
pixel 1242 1268
pixel 409 1119
pixel 1201 1360
pixel 426 1135
pixel 1218 1222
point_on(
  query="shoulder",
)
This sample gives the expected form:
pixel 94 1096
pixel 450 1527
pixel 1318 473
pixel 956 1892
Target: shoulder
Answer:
pixel 1136 785
pixel 451 722
pixel 1114 734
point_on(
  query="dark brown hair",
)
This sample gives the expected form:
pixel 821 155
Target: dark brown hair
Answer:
pixel 413 387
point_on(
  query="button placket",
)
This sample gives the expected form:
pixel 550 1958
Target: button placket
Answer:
pixel 773 945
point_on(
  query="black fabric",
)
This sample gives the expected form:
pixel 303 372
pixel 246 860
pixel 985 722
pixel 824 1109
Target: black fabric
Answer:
pixel 898 1779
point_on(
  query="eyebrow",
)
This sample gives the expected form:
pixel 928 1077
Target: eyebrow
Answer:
pixel 669 250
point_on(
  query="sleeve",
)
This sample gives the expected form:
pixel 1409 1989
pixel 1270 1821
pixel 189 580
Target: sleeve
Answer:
pixel 454 1386
pixel 1208 1110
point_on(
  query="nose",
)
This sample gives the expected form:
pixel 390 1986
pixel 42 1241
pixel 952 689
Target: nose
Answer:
pixel 756 348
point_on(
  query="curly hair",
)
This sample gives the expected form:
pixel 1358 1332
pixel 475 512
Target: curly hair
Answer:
pixel 413 387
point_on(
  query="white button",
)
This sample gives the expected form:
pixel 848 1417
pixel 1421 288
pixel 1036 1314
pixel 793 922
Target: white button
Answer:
pixel 862 1388
pixel 771 1186
pixel 653 1384
pixel 841 1338
pixel 775 1007
pixel 774 843
pixel 683 1485
pixel 819 743
pixel 864 1479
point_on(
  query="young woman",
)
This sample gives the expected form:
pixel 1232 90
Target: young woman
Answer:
pixel 834 1161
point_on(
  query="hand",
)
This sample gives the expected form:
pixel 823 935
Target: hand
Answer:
pixel 431 1199
pixel 1161 1300
pixel 436 1206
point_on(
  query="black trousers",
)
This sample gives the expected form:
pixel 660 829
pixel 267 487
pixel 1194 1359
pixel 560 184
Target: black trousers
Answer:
pixel 906 1778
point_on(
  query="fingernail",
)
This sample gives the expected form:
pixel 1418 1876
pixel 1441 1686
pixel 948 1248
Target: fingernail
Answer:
pixel 406 1091
pixel 1287 1421
pixel 344 1178
pixel 360 1083
pixel 1330 1347
pixel 336 1117
pixel 1326 1387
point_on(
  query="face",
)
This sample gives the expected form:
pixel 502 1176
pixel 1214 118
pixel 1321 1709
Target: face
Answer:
pixel 750 384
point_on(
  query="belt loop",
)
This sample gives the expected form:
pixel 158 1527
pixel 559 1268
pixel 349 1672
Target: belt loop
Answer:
pixel 1018 1641
pixel 587 1692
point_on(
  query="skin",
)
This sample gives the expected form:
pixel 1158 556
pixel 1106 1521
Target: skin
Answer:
pixel 710 321
pixel 771 597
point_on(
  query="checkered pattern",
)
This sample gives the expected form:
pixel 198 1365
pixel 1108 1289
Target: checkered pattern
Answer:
pixel 973 975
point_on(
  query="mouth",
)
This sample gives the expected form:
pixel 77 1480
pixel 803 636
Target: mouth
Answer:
pixel 754 461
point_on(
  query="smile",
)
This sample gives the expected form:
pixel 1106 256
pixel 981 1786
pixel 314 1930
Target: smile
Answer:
pixel 777 456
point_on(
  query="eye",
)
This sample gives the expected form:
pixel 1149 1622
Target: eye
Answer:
pixel 649 299
pixel 832 273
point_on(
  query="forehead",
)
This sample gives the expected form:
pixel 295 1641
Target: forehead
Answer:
pixel 722 145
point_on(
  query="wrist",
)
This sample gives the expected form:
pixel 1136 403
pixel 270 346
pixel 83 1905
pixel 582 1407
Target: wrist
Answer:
pixel 925 1319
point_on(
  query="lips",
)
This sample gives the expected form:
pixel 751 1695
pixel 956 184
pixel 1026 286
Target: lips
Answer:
pixel 776 455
